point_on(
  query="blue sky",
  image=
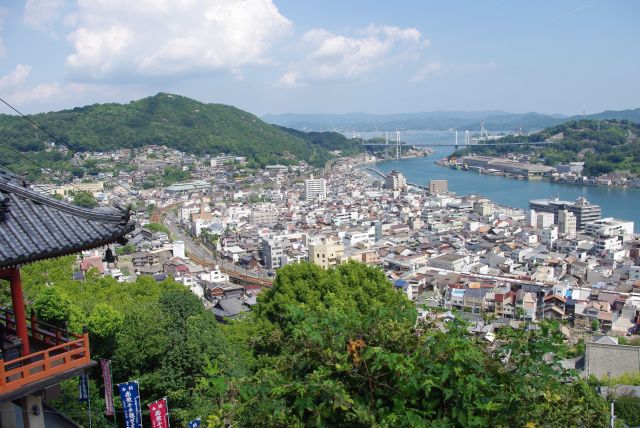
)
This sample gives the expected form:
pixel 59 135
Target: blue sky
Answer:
pixel 327 56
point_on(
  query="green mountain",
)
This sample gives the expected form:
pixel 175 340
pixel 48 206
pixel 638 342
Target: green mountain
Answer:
pixel 164 119
pixel 603 145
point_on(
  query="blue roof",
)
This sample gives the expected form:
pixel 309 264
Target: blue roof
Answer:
pixel 400 283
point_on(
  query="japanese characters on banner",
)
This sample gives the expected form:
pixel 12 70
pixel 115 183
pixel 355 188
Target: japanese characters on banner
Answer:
pixel 159 414
pixel 130 396
pixel 194 423
pixel 84 387
pixel 105 365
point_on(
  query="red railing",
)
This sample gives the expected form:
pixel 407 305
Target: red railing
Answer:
pixel 63 351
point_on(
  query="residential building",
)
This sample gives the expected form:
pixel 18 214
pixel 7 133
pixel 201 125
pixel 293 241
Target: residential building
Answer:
pixel 273 253
pixel 453 262
pixel 327 253
pixel 315 189
pixel 567 224
pixel 438 186
pixel 395 180
pixel 584 211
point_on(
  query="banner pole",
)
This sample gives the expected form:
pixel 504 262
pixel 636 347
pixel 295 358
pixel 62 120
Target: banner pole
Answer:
pixel 166 400
pixel 113 400
pixel 89 402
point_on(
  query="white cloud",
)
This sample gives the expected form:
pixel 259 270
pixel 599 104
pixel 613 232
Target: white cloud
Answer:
pixel 434 68
pixel 42 14
pixel 16 78
pixel 39 93
pixel 430 68
pixel 147 38
pixel 333 57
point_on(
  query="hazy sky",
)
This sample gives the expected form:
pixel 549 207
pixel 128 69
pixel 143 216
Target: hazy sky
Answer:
pixel 324 56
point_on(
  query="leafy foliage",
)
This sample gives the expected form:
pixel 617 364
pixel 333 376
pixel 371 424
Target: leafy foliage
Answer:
pixel 338 347
pixel 84 199
pixel 627 408
pixel 157 227
pixel 163 119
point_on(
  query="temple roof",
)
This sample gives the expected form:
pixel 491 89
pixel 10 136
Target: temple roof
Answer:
pixel 34 226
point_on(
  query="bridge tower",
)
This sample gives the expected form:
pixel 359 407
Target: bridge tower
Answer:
pixel 386 141
pixel 398 145
pixel 456 140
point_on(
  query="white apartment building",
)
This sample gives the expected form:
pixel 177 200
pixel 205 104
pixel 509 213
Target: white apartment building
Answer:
pixel 549 235
pixel 396 181
pixel 609 227
pixel 273 253
pixel 567 224
pixel 315 189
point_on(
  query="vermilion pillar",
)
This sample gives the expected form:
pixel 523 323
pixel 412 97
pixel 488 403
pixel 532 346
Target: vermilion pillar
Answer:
pixel 18 309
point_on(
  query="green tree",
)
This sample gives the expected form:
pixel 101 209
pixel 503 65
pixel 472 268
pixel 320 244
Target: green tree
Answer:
pixel 627 408
pixel 84 199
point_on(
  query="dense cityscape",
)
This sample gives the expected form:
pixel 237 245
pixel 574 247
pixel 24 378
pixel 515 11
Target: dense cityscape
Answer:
pixel 289 213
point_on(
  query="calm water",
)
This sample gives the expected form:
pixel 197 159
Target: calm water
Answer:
pixel 615 202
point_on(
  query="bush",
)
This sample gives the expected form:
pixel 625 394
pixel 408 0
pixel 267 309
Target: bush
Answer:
pixel 627 408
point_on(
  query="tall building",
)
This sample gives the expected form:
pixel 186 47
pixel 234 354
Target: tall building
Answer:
pixel 567 224
pixel 315 189
pixel 438 186
pixel 584 211
pixel 272 253
pixel 326 254
pixel 396 181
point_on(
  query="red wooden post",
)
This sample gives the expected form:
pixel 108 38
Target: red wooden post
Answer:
pixel 19 314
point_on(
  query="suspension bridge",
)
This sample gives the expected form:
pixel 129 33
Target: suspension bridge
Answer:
pixel 485 140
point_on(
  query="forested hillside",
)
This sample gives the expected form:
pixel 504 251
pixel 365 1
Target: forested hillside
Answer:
pixel 163 119
pixel 603 145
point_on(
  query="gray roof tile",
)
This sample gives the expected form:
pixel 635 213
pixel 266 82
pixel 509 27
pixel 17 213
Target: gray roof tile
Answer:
pixel 34 226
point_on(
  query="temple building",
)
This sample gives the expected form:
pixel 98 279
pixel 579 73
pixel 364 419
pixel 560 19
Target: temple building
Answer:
pixel 36 357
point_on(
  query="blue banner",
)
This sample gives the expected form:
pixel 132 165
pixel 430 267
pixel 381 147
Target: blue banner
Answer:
pixel 130 396
pixel 84 387
pixel 194 423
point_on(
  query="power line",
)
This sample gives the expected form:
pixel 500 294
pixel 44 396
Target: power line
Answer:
pixel 36 164
pixel 56 139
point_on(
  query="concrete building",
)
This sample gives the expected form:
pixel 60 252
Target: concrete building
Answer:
pixel 454 262
pixel 609 227
pixel 315 189
pixel 584 211
pixel 549 235
pixel 264 216
pixel 567 224
pixel 396 181
pixel 634 273
pixel 485 209
pixel 273 253
pixel 604 358
pixel 326 254
pixel 438 186
pixel 189 187
pixel 527 170
pixel 574 168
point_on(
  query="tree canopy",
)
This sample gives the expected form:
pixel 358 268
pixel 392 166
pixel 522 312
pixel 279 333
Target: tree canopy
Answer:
pixel 337 347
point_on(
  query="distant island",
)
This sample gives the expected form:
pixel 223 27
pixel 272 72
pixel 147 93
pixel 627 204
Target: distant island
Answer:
pixel 439 120
pixel 605 146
